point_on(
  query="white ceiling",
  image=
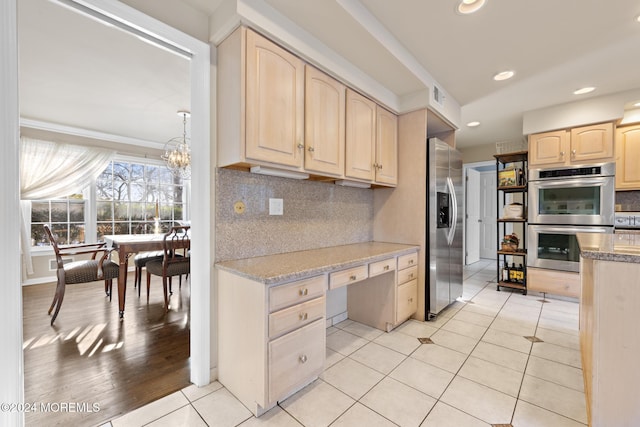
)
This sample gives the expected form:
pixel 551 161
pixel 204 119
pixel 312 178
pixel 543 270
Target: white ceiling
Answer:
pixel 77 72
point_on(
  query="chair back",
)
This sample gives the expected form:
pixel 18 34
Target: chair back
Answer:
pixel 54 242
pixel 176 245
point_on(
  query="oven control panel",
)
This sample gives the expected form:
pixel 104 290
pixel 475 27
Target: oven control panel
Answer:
pixel 626 220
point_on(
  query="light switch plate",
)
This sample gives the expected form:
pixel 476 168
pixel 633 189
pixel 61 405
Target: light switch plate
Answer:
pixel 276 207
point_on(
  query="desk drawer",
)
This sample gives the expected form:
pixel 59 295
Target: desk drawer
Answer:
pixel 295 358
pixel 296 292
pixel 407 274
pixel 408 260
pixel 348 276
pixel 294 317
pixel 407 300
pixel 381 267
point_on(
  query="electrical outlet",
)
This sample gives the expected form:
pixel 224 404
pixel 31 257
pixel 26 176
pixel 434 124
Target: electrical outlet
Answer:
pixel 276 207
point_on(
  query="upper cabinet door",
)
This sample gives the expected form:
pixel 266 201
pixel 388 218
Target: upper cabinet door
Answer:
pixel 549 148
pixel 274 103
pixel 361 137
pixel 386 147
pixel 592 143
pixel 324 123
pixel 627 158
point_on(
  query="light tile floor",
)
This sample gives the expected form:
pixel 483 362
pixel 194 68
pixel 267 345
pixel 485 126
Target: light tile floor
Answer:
pixel 480 370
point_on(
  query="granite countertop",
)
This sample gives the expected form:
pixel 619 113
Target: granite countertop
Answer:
pixel 620 247
pixel 290 266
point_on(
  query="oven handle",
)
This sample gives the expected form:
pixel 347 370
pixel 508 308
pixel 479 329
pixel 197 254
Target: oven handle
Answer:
pixel 454 213
pixel 569 229
pixel 572 182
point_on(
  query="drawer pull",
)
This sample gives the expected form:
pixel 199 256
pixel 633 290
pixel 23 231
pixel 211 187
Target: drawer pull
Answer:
pixel 410 261
pixel 352 278
pixel 303 359
pixel 386 268
pixel 304 316
pixel 303 292
pixel 411 276
pixel 411 299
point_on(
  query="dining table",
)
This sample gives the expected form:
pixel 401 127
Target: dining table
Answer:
pixel 125 245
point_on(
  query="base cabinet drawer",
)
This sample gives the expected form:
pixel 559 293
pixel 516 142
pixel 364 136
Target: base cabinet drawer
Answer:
pixel 565 283
pixel 348 276
pixel 291 318
pixel 296 358
pixel 282 296
pixel 407 300
pixel 381 267
pixel 407 274
pixel 408 260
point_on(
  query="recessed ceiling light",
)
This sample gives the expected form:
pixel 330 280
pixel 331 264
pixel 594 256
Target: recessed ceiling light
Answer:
pixel 637 104
pixel 503 75
pixel 638 18
pixel 473 124
pixel 466 7
pixel 584 90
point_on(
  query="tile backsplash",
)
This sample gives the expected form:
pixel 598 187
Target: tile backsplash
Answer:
pixel 628 201
pixel 316 215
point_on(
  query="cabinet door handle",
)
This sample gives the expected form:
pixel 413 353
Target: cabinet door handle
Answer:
pixel 352 278
pixel 303 292
pixel 573 152
pixel 303 359
pixel 303 316
pixel 562 154
pixel 411 299
pixel 300 146
pixel 311 149
pixel 380 166
pixel 386 268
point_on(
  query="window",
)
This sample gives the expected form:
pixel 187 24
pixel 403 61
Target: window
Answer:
pixel 137 199
pixel 66 217
pixel 131 198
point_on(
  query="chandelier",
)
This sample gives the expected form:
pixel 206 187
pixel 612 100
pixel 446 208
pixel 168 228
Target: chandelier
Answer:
pixel 177 153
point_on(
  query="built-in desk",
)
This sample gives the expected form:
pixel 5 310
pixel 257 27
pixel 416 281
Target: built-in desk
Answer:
pixel 609 319
pixel 271 311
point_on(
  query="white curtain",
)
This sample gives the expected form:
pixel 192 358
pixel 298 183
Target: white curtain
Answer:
pixel 50 170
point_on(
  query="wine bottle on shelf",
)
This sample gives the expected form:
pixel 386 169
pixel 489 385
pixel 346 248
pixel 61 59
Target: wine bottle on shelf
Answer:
pixel 513 273
pixel 521 274
pixel 505 272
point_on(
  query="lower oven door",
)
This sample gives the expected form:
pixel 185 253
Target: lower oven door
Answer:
pixel 555 246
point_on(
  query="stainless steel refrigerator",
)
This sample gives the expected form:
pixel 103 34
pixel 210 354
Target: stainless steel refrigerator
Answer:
pixel 444 227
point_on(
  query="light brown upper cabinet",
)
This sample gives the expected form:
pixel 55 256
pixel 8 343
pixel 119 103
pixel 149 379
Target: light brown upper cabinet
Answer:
pixel 386 147
pixel 260 102
pixel 372 141
pixel 628 158
pixel 583 145
pixel 361 137
pixel 324 124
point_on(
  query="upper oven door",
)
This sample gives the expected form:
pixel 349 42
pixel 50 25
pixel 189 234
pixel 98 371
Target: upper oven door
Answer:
pixel 573 201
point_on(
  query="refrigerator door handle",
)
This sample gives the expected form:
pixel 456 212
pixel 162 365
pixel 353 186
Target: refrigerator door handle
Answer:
pixel 454 211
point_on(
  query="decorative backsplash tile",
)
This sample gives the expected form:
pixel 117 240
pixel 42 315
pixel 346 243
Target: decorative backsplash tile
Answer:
pixel 316 215
pixel 628 200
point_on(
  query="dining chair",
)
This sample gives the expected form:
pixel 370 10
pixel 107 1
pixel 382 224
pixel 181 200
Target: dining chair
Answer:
pixel 175 261
pixel 85 271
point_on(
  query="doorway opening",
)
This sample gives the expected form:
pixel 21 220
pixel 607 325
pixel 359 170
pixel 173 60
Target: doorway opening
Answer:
pixel 480 211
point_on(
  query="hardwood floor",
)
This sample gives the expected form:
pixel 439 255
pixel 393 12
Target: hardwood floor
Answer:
pixel 91 357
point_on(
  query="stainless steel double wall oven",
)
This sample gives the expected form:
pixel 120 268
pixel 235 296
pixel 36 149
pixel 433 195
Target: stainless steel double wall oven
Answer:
pixel 562 202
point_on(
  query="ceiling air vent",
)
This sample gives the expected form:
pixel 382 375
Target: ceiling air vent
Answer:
pixel 438 96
